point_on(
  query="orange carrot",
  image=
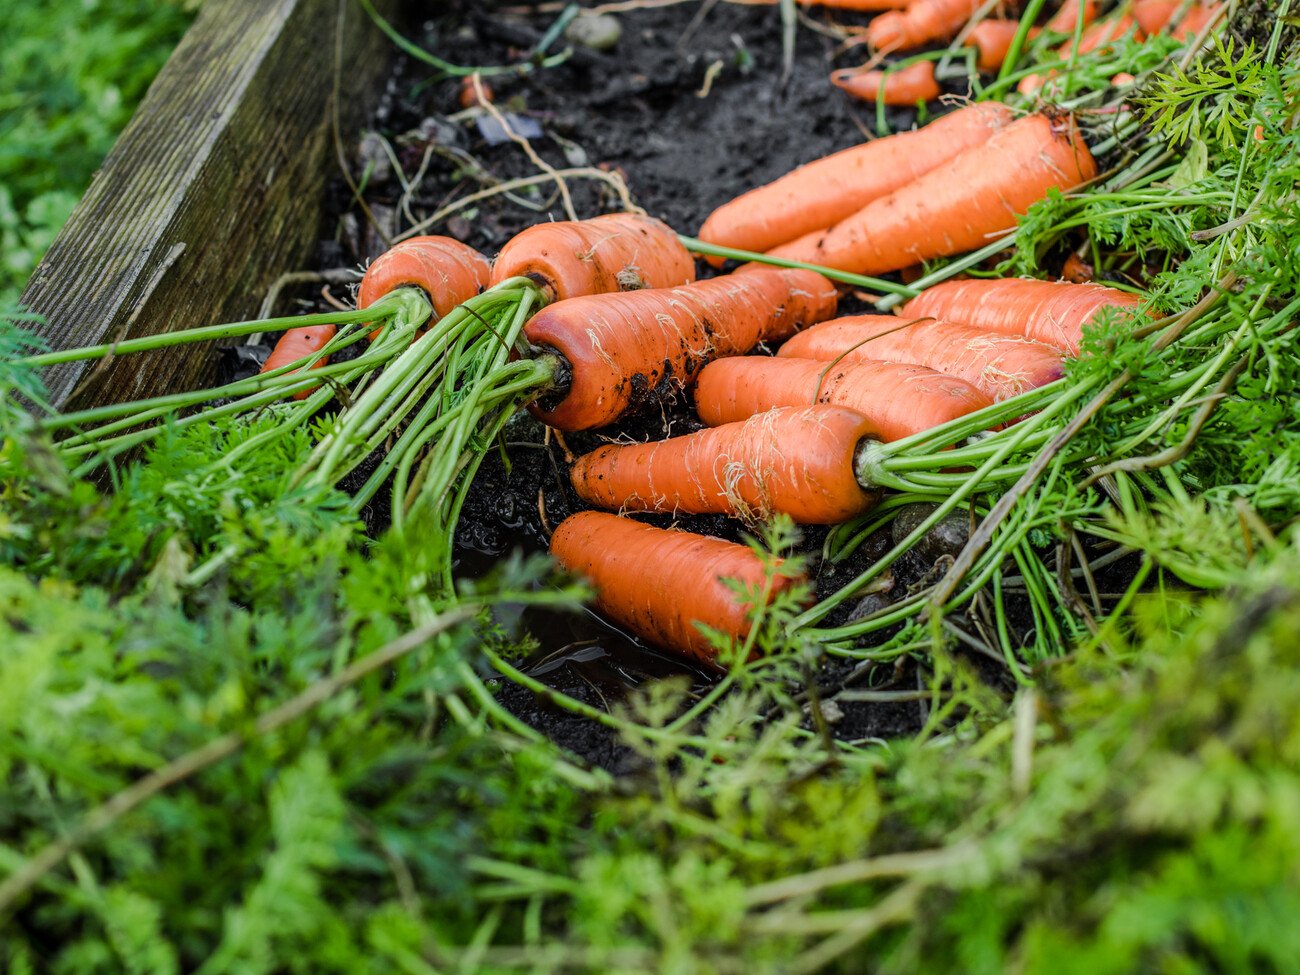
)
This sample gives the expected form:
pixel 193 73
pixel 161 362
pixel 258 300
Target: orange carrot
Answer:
pixel 1075 269
pixel 796 461
pixel 1065 19
pixel 1051 312
pixel 827 190
pixel 992 41
pixel 625 350
pixel 898 399
pixel 1195 21
pixel 661 584
pixel 449 272
pixel 1096 37
pixel 958 206
pixel 1154 15
pixel 922 22
pixel 906 86
pixel 614 252
pixel 296 343
pixel 1000 366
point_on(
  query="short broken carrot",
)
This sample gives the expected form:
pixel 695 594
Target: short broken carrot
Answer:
pixel 906 86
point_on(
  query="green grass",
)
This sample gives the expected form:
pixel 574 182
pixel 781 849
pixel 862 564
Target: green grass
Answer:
pixel 71 74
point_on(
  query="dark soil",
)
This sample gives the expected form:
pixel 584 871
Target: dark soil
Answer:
pixel 690 107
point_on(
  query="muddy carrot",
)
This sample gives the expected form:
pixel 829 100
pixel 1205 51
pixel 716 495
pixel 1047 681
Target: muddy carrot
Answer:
pixel 1065 18
pixel 992 40
pixel 898 399
pixel 625 350
pixel 907 86
pixel 1000 366
pixel 922 22
pixel 1052 312
pixel 795 460
pixel 614 252
pixel 449 272
pixel 662 584
pixel 958 206
pixel 297 343
pixel 818 194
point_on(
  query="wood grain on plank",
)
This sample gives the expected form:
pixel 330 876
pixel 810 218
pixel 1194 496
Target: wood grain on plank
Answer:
pixel 213 190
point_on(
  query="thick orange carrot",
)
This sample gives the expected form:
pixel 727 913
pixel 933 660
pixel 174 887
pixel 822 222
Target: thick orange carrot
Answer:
pixel 818 194
pixel 1000 366
pixel 1096 37
pixel 628 349
pixel 898 399
pixel 661 584
pixel 922 22
pixel 1065 18
pixel 614 252
pixel 1052 312
pixel 296 343
pixel 796 461
pixel 906 86
pixel 958 206
pixel 992 40
pixel 449 272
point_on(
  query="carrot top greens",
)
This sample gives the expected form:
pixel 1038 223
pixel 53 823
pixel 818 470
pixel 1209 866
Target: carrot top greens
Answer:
pixel 239 733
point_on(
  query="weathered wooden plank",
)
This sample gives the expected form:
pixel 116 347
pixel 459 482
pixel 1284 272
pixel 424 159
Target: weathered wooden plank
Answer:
pixel 212 191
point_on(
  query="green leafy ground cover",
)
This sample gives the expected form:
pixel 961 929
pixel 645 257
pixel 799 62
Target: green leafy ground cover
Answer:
pixel 71 74
pixel 239 735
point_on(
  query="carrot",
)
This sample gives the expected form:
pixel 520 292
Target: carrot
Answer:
pixel 1000 366
pixel 1051 312
pixel 992 41
pixel 294 345
pixel 958 206
pixel 797 461
pixel 614 252
pixel 1154 15
pixel 1096 37
pixel 1195 21
pixel 906 86
pixel 922 22
pixel 898 399
pixel 1065 19
pixel 625 350
pixel 662 584
pixel 818 194
pixel 449 272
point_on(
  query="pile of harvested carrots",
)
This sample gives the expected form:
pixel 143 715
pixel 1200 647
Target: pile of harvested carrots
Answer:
pixel 626 323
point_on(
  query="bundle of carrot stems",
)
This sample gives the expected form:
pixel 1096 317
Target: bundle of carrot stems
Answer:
pixel 430 406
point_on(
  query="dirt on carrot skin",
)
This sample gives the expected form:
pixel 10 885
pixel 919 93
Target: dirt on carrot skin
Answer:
pixel 690 109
